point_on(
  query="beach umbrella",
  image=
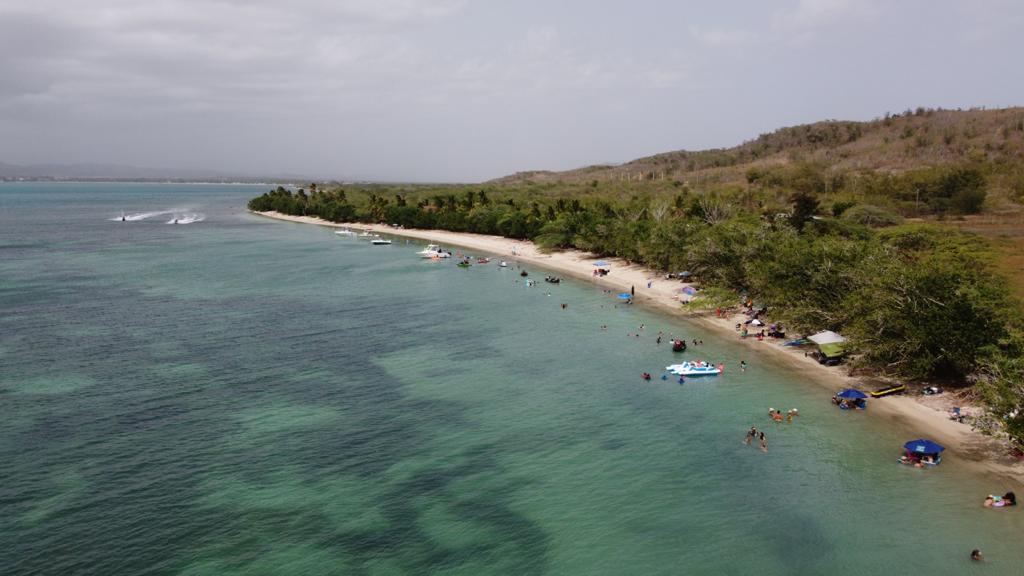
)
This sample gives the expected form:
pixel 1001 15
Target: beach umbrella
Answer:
pixel 689 290
pixel 922 446
pixel 852 394
pixel 625 296
pixel 600 263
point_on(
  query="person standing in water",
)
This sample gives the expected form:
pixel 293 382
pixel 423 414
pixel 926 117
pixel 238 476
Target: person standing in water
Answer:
pixel 764 443
pixel 751 434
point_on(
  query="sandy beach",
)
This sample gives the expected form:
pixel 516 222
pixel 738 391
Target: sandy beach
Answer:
pixel 913 416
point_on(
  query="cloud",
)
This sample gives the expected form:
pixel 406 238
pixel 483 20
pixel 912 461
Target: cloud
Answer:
pixel 721 37
pixel 810 18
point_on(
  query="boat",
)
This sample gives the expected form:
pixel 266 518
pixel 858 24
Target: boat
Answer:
pixel 368 234
pixel 552 279
pixel 695 369
pixel 888 389
pixel 503 264
pixel 380 242
pixel 344 232
pixel 433 251
pixel 482 260
pixel 524 274
pixel 679 346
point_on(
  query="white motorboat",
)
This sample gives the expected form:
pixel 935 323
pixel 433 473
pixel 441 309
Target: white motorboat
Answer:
pixel 695 369
pixel 344 232
pixel 503 264
pixel 368 234
pixel 380 242
pixel 434 251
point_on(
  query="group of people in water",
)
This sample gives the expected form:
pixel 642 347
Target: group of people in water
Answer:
pixel 776 415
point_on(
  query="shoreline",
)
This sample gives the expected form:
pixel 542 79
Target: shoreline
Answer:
pixel 917 416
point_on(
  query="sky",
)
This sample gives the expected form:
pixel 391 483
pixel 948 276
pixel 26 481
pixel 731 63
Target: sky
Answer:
pixel 468 90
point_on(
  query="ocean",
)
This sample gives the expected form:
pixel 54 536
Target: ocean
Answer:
pixel 234 395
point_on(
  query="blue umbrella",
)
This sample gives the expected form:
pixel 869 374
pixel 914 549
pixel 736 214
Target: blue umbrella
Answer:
pixel 922 446
pixel 689 291
pixel 625 296
pixel 600 263
pixel 852 394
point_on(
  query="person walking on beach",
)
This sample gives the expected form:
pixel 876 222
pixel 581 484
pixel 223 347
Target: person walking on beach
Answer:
pixel 764 443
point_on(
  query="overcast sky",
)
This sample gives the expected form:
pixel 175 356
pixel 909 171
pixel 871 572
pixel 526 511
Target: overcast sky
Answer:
pixel 466 90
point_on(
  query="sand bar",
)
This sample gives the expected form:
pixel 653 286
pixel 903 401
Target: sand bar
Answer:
pixel 913 416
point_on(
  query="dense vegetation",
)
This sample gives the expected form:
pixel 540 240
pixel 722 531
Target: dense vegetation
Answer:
pixel 821 248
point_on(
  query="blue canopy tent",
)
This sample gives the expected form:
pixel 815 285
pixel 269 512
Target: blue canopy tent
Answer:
pixel 922 446
pixel 851 394
pixel 601 263
pixel 922 452
pixel 850 399
pixel 689 291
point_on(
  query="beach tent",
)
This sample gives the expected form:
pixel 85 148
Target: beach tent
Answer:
pixel 689 291
pixel 826 337
pixel 601 263
pixel 851 394
pixel 922 446
pixel 834 350
pixel 832 345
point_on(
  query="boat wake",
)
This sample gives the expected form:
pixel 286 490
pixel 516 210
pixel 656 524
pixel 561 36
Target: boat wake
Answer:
pixel 139 216
pixel 187 218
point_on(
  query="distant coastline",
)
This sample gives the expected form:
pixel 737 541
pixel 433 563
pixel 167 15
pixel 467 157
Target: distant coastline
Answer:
pixel 914 416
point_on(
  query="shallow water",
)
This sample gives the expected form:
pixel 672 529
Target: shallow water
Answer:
pixel 244 396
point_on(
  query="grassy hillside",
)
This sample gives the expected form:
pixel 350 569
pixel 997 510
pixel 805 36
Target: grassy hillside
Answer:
pixel 913 140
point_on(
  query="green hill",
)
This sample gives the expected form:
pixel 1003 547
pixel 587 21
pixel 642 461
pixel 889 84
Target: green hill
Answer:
pixel 921 139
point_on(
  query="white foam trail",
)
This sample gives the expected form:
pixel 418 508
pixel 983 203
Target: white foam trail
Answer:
pixel 139 216
pixel 187 218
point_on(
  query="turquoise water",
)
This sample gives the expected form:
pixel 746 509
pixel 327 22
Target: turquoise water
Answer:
pixel 243 396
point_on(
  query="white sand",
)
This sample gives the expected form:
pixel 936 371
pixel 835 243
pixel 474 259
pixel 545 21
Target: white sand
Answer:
pixel 914 417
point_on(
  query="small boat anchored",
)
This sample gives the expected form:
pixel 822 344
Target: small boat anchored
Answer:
pixel 434 251
pixel 552 279
pixel 345 232
pixel 380 242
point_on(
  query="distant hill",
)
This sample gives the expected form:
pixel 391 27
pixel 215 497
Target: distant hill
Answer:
pixel 914 139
